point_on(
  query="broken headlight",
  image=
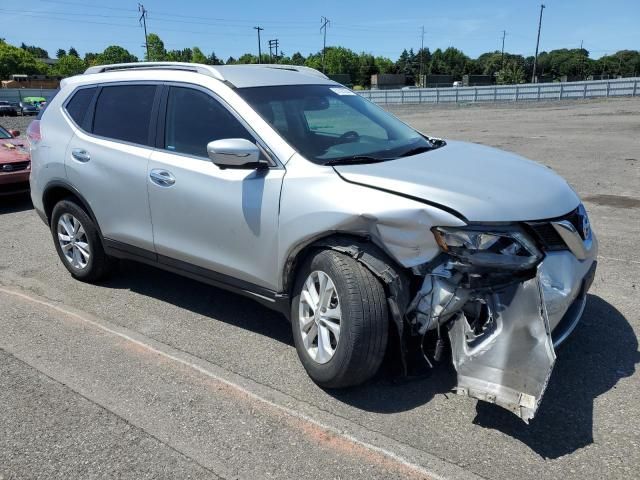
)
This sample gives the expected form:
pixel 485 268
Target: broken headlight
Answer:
pixel 511 250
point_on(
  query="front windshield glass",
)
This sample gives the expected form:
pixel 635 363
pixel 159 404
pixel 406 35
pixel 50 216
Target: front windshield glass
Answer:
pixel 331 124
pixel 4 133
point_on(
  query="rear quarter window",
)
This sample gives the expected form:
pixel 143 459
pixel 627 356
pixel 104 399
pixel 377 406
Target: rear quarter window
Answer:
pixel 123 112
pixel 79 104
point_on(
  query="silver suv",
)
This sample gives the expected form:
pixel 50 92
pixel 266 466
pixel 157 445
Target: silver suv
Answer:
pixel 284 186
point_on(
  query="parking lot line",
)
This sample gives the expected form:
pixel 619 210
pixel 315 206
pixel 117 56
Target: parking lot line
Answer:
pixel 322 432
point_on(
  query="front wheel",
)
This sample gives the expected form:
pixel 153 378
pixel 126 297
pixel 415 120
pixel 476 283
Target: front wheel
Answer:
pixel 339 320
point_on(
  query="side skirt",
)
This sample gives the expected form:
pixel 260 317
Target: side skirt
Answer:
pixel 269 298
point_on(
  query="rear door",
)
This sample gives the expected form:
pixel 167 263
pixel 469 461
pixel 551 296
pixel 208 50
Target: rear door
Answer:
pixel 107 158
pixel 224 222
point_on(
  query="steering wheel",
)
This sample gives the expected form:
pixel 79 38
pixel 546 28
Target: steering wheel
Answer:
pixel 350 136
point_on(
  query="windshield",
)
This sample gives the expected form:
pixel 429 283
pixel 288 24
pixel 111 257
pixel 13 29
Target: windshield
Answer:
pixel 331 124
pixel 4 133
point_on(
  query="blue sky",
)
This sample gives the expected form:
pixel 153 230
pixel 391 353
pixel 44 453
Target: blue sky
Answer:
pixel 374 26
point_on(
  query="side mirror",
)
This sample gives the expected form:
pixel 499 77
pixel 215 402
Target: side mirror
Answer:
pixel 14 133
pixel 235 153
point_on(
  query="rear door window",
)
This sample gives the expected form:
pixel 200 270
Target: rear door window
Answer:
pixel 79 104
pixel 194 119
pixel 123 112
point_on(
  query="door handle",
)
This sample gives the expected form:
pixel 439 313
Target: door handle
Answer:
pixel 162 178
pixel 80 155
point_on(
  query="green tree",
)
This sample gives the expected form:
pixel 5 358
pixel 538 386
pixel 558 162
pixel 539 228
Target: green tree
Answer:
pixel 231 61
pixel 512 73
pixel 115 54
pixel 183 55
pixel 197 56
pixel 68 66
pixel 35 51
pixel 297 59
pixel 73 52
pixel 14 60
pixel 60 53
pixel 90 58
pixel 366 67
pixel 247 58
pixel 623 62
pixel 157 52
pixel 385 65
pixel 213 59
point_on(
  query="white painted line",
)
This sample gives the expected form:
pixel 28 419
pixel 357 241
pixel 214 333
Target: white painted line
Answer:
pixel 624 260
pixel 412 467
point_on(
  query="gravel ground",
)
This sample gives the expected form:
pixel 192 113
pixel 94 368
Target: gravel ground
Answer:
pixel 137 377
pixel 17 123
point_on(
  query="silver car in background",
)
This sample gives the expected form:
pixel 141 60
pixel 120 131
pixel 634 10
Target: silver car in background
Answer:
pixel 284 186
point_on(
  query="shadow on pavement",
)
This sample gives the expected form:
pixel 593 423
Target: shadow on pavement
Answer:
pixel 15 203
pixel 601 351
pixel 202 299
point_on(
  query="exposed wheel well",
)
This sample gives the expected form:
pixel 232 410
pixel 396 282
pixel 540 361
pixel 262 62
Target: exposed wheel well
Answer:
pixel 351 244
pixel 60 192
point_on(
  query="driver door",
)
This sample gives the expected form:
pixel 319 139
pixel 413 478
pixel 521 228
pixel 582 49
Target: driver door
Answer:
pixel 220 223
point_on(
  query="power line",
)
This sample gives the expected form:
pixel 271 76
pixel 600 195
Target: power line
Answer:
pixel 535 60
pixel 143 19
pixel 259 45
pixel 325 23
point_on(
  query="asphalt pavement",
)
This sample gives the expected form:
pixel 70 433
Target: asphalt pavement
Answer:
pixel 150 375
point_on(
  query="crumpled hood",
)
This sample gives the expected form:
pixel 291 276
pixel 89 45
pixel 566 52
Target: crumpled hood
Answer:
pixel 481 183
pixel 13 150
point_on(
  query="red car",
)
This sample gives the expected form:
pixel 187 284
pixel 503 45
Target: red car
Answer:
pixel 15 163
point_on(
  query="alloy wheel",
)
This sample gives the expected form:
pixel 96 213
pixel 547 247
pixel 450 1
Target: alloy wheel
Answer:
pixel 319 317
pixel 73 241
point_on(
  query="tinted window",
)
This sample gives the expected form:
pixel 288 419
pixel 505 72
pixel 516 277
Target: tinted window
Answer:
pixel 79 103
pixel 124 112
pixel 195 119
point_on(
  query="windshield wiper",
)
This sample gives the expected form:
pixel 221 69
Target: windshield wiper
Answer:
pixel 415 151
pixel 356 160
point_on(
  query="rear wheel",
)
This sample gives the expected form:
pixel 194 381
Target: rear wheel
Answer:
pixel 339 320
pixel 78 243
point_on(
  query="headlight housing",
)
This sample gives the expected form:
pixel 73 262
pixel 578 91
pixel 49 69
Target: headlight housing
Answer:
pixel 489 248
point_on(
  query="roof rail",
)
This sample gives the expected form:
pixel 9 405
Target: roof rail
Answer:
pixel 188 67
pixel 295 68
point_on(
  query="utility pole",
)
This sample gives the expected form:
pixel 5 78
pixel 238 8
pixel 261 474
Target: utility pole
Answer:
pixel 325 23
pixel 273 44
pixel 421 57
pixel 535 60
pixel 259 45
pixel 504 34
pixel 143 20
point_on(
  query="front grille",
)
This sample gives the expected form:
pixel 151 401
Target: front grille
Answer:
pixel 547 236
pixel 13 167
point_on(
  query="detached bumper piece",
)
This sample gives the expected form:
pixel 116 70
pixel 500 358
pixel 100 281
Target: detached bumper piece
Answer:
pixel 504 353
pixel 500 324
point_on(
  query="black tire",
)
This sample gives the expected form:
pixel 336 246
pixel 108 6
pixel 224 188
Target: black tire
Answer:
pixel 364 323
pixel 99 264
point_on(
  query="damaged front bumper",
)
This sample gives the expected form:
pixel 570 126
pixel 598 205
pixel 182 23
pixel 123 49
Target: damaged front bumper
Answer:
pixel 503 336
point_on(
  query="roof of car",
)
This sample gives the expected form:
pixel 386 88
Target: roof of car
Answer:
pixel 238 76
